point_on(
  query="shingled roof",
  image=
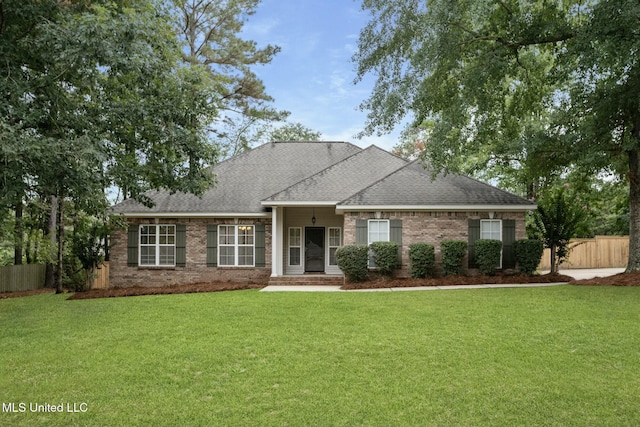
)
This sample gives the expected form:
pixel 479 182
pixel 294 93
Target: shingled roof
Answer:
pixel 338 173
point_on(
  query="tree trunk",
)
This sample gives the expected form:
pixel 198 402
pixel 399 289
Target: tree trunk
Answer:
pixel 50 280
pixel 60 244
pixel 18 235
pixel 555 266
pixel 634 211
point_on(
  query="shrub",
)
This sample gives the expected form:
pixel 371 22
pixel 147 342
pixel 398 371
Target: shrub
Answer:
pixel 488 255
pixel 353 260
pixel 528 253
pixel 453 252
pixel 385 256
pixel 423 257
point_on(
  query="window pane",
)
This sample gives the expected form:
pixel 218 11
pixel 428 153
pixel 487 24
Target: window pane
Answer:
pixel 167 255
pixel 147 255
pixel 226 235
pixel 245 255
pixel 334 237
pixel 227 255
pixel 245 235
pixel 332 256
pixel 294 237
pixel 378 231
pixel 294 256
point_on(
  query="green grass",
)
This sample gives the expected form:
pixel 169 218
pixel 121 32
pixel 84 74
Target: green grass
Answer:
pixel 537 356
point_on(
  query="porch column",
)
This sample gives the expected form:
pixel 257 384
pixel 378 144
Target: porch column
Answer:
pixel 277 225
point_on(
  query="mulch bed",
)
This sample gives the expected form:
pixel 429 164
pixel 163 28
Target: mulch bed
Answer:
pixel 622 279
pixel 383 282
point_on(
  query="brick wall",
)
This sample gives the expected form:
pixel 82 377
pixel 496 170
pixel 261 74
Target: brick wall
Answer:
pixel 196 270
pixel 429 227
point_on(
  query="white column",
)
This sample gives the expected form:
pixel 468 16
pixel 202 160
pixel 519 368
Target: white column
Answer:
pixel 277 225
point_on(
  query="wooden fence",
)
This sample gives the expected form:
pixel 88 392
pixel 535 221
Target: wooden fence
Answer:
pixel 101 278
pixel 600 252
pixel 28 277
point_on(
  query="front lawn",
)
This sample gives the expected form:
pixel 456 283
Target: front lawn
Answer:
pixel 562 355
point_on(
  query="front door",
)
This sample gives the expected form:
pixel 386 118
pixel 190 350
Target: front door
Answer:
pixel 314 250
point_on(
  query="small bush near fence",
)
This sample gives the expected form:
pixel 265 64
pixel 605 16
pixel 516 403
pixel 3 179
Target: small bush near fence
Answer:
pixel 528 253
pixel 353 260
pixel 385 256
pixel 423 258
pixel 453 253
pixel 487 254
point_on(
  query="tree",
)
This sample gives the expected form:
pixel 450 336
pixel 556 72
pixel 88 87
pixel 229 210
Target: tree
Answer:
pixel 293 132
pixel 557 220
pixel 532 86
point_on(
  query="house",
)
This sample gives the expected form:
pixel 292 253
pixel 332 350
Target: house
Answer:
pixel 282 209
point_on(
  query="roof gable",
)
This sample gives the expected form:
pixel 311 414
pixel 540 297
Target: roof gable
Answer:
pixel 413 185
pixel 343 179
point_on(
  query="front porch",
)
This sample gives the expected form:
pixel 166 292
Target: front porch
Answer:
pixel 304 243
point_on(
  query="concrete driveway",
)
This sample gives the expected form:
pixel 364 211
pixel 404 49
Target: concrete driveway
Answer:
pixel 589 273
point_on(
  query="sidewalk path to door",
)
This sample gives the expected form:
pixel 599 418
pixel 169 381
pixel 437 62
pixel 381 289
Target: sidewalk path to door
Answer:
pixel 578 274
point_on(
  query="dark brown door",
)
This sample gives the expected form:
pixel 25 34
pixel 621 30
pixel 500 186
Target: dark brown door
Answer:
pixel 314 250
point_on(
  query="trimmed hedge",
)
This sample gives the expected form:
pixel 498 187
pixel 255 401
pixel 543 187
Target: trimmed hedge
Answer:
pixel 353 260
pixel 385 256
pixel 528 253
pixel 423 258
pixel 488 255
pixel 453 252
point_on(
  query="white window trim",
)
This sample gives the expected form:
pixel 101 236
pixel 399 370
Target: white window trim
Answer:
pixel 499 221
pixel 236 245
pixel 157 245
pixel 330 246
pixel 290 246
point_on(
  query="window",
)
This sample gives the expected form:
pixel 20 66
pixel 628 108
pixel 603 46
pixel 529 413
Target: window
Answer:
pixel 491 229
pixel 158 245
pixel 236 245
pixel 335 240
pixel 295 245
pixel 378 232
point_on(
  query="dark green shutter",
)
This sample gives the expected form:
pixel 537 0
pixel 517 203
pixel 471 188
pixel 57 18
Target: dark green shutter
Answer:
pixel 181 245
pixel 508 239
pixel 362 233
pixel 260 245
pixel 212 245
pixel 395 235
pixel 474 234
pixel 132 245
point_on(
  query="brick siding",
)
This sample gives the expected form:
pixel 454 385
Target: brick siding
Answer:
pixel 195 270
pixel 429 227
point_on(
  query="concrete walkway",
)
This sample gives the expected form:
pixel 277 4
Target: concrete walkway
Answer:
pixel 576 274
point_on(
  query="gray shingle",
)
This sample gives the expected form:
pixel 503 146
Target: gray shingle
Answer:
pixel 245 180
pixel 344 178
pixel 412 185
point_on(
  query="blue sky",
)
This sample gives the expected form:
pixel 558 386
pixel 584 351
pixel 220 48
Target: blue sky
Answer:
pixel 312 77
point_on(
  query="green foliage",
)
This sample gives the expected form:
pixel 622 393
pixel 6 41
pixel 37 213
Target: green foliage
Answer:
pixel 525 90
pixel 294 132
pixel 528 253
pixel 353 260
pixel 488 254
pixel 453 253
pixel 557 220
pixel 423 258
pixel 385 256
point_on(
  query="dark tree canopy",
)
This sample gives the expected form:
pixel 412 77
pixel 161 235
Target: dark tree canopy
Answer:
pixel 531 86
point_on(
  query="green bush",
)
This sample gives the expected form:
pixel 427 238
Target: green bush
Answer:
pixel 528 253
pixel 453 252
pixel 423 258
pixel 385 256
pixel 353 260
pixel 488 255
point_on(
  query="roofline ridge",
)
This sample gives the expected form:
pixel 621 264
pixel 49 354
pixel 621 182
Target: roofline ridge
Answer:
pixel 361 150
